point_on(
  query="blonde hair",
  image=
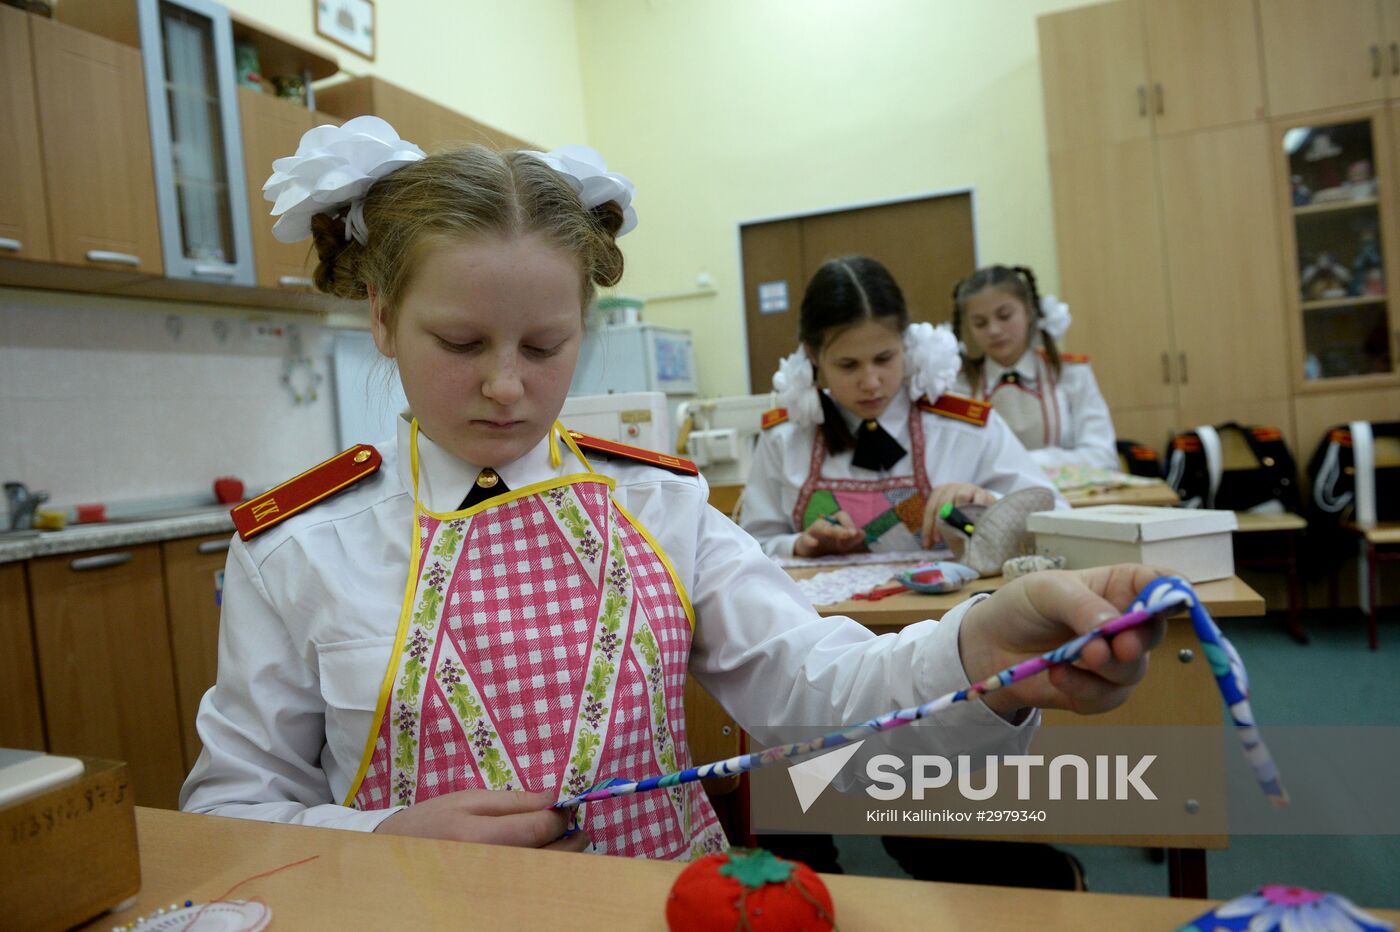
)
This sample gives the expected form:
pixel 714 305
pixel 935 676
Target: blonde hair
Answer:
pixel 463 193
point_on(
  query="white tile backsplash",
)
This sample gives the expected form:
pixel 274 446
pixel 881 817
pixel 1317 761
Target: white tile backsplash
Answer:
pixel 106 403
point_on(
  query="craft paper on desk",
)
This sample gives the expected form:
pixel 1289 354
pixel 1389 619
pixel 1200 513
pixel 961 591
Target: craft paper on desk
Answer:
pixel 899 558
pixel 841 584
pixel 1275 906
pixel 1076 478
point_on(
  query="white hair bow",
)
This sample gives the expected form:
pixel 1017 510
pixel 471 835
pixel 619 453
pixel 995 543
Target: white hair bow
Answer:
pixel 588 175
pixel 1054 317
pixel 796 388
pixel 932 359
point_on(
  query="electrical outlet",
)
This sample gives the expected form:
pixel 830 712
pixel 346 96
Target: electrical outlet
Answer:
pixel 265 333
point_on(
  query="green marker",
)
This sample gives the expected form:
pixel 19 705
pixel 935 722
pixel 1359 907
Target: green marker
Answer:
pixel 957 519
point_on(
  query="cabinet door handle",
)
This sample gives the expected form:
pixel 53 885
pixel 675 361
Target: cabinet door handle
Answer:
pixel 100 562
pixel 1161 98
pixel 214 546
pixel 1182 358
pixel 1375 61
pixel 118 258
pixel 1395 58
pixel 10 245
pixel 294 281
pixel 213 271
pixel 1166 368
pixel 1142 100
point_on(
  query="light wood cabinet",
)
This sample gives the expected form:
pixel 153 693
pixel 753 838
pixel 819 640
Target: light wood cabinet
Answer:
pixel 104 664
pixel 1319 55
pixel 272 128
pixel 1222 270
pixel 1390 19
pixel 194 569
pixel 21 722
pixel 419 120
pixel 1109 233
pixel 1120 71
pixel 24 225
pixel 97 149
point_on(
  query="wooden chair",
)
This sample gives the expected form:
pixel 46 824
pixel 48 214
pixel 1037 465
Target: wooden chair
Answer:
pixel 712 735
pixel 1378 544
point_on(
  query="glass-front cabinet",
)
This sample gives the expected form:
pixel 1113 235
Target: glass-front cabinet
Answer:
pixel 195 140
pixel 1341 203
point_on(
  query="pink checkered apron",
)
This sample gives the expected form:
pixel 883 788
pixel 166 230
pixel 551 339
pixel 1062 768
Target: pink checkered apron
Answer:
pixel 544 647
pixel 889 510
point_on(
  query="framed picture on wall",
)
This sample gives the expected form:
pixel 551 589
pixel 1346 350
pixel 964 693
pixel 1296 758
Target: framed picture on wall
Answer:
pixel 347 23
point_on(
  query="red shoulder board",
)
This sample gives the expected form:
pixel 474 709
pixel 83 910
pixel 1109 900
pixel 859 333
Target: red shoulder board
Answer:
pixel 296 495
pixel 622 450
pixel 1266 433
pixel 1187 443
pixel 959 408
pixel 774 417
pixel 1073 357
pixel 1340 435
pixel 1143 453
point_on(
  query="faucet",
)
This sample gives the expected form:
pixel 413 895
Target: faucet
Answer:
pixel 22 503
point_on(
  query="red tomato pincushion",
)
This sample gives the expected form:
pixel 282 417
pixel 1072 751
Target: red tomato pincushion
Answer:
pixel 749 889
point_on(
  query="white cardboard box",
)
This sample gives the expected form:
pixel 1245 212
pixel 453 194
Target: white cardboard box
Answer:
pixel 1194 543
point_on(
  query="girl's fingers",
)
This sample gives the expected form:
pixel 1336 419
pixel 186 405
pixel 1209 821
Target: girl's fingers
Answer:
pixel 577 842
pixel 521 829
pixel 1087 692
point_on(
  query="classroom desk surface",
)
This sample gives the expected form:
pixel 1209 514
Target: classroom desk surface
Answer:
pixel 1159 493
pixel 1223 598
pixel 365 881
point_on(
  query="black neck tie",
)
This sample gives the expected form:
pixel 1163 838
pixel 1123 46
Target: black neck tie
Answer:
pixel 875 448
pixel 488 484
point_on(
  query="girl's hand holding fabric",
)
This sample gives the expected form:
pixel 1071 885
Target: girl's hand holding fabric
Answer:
pixel 959 493
pixel 1036 613
pixel 492 817
pixel 825 537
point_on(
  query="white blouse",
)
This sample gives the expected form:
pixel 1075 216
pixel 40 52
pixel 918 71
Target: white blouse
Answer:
pixel 310 609
pixel 1086 428
pixel 989 456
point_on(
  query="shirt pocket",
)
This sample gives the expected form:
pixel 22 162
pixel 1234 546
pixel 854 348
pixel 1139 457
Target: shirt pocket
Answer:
pixel 352 676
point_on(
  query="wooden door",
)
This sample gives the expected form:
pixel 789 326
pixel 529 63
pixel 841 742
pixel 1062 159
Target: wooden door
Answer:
pixel 104 664
pixel 21 711
pixel 1320 55
pixel 272 128
pixel 24 224
pixel 97 149
pixel 1229 314
pixel 1108 233
pixel 193 584
pixel 1203 57
pixel 928 244
pixel 1093 68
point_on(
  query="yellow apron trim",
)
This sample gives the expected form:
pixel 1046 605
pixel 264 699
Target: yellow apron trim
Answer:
pixel 414 557
pixel 665 560
pixel 554 460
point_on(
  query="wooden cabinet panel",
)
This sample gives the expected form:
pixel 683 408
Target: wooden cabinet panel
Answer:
pixel 104 664
pixel 1226 285
pixel 1314 414
pixel 1150 426
pixel 193 577
pixel 1319 55
pixel 21 716
pixel 97 149
pixel 1093 67
pixel 272 128
pixel 1203 58
pixel 1390 18
pixel 1108 231
pixel 432 126
pixel 24 225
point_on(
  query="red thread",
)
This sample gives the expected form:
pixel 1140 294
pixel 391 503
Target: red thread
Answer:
pixel 225 894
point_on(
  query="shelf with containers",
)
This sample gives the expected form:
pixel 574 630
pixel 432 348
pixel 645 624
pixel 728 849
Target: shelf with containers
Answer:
pixel 1337 172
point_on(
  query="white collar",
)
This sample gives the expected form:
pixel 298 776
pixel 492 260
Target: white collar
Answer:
pixel 893 419
pixel 444 479
pixel 1027 368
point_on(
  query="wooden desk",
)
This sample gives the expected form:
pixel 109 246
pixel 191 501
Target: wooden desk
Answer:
pixel 1158 493
pixel 1223 598
pixel 725 497
pixel 370 881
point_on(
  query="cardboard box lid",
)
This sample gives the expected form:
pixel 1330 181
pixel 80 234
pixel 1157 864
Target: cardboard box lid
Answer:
pixel 1132 523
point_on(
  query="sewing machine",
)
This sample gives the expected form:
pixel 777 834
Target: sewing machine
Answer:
pixel 720 434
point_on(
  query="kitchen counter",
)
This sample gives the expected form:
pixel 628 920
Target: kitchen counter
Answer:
pixel 189 522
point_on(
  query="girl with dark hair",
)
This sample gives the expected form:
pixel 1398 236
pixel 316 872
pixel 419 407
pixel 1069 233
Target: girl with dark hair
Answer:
pixel 1013 361
pixel 867 445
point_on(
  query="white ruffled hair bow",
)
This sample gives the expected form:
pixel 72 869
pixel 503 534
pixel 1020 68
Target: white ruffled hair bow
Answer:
pixel 931 358
pixel 588 175
pixel 333 167
pixel 1054 317
pixel 796 388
